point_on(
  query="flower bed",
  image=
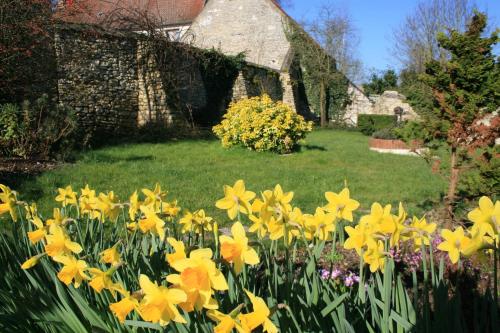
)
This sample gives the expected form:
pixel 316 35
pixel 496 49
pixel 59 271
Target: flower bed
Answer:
pixel 144 263
pixel 395 146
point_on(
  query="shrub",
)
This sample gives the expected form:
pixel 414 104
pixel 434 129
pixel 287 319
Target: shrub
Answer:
pixel 261 124
pixel 369 123
pixel 385 133
pixel 36 130
pixel 413 130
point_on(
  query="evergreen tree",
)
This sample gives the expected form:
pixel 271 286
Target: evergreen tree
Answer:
pixel 465 89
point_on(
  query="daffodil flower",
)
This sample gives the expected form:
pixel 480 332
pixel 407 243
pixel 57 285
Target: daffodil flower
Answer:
pixel 8 202
pixel 341 204
pixel 59 243
pixel 40 232
pixel 179 251
pixel 235 250
pixel 159 302
pixel 31 262
pixel 258 317
pixel 374 255
pixel 454 243
pixel 486 217
pixel 320 225
pixel 111 255
pixel 151 223
pixel 198 278
pixel 73 269
pixel 122 308
pixel 236 199
pixel 66 196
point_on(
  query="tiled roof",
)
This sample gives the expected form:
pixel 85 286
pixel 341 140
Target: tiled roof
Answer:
pixel 169 12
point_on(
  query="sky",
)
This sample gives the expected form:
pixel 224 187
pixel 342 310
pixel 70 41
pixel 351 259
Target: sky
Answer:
pixel 374 21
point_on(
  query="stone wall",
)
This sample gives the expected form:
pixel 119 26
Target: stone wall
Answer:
pixel 376 104
pixel 116 84
pixel 388 101
pixel 254 81
pixel 360 104
pixel 97 77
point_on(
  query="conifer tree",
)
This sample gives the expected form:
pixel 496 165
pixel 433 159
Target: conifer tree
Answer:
pixel 466 91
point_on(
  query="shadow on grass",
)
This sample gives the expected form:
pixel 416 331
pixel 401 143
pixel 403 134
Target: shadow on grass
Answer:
pixel 313 147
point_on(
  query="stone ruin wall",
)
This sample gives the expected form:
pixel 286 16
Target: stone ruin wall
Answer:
pixel 388 101
pixel 97 77
pixel 115 86
pixel 376 104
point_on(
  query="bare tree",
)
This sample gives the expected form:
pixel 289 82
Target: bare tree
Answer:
pixel 334 30
pixel 415 41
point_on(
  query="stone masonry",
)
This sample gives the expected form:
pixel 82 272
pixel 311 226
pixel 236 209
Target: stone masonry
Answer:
pixel 97 77
pixel 115 85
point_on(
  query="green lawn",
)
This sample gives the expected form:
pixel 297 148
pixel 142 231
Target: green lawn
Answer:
pixel 194 172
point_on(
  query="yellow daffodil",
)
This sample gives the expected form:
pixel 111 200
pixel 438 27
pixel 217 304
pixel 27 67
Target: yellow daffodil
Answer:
pixel 454 243
pixel 134 207
pixel 486 217
pixel 57 218
pixel 32 261
pixel 101 280
pixel 66 196
pixel 196 222
pixel 111 255
pixel 258 226
pixel 380 219
pixel 171 209
pixel 59 243
pixel 87 192
pixel 358 237
pixel 235 250
pixel 374 255
pixel 421 231
pixel 320 225
pixel 399 227
pixel 341 204
pixel 107 206
pixel 236 199
pixel 226 323
pixel 198 278
pixel 154 198
pixel 122 308
pixel 258 317
pixel 40 232
pixel 31 211
pixel 179 251
pixel 159 302
pixel 8 202
pixel 477 242
pixel 151 223
pixel 73 269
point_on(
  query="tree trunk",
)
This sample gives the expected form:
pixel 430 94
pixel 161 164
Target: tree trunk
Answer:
pixel 322 105
pixel 452 188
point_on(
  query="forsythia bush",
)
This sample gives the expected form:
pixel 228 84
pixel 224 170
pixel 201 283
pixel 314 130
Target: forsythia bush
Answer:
pixel 261 124
pixel 144 263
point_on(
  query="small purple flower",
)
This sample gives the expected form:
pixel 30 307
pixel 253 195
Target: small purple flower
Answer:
pixel 350 279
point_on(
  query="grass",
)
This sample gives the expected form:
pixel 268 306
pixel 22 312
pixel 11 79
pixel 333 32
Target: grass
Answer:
pixel 194 172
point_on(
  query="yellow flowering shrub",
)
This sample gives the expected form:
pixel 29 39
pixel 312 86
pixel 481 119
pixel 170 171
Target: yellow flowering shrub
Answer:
pixel 261 124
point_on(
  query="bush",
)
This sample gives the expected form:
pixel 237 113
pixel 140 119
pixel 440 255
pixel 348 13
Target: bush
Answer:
pixel 413 130
pixel 386 133
pixel 36 130
pixel 261 124
pixel 369 123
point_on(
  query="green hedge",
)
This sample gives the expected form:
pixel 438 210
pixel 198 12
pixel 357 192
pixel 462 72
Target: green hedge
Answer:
pixel 369 123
